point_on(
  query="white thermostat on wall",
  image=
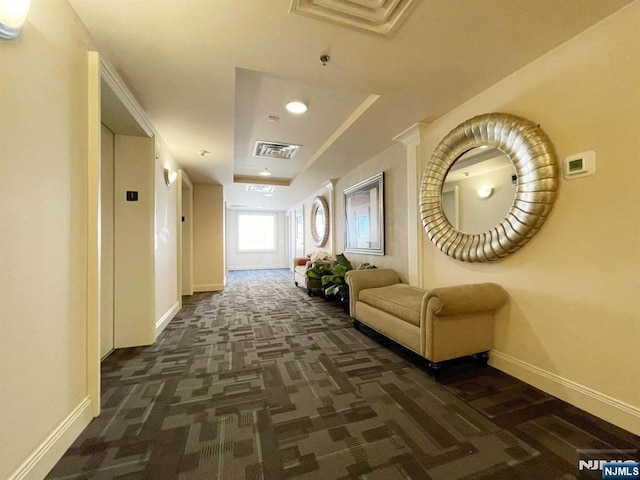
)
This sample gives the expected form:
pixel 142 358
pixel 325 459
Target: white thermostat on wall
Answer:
pixel 579 165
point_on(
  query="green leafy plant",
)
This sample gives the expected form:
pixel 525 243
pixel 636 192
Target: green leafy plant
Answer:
pixel 331 275
pixel 366 266
pixel 319 269
pixel 334 283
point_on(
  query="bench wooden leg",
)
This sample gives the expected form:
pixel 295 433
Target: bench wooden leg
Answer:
pixel 482 358
pixel 435 368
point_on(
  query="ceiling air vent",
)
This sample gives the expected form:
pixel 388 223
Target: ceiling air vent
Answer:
pixel 285 151
pixel 260 188
pixel 375 16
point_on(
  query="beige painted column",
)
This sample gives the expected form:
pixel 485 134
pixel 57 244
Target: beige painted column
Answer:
pixel 410 138
pixel 330 186
pixel 208 238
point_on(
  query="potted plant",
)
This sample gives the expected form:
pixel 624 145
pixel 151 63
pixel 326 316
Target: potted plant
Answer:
pixel 334 284
pixel 318 270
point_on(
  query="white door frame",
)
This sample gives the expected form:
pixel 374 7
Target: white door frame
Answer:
pixel 185 243
pixel 93 234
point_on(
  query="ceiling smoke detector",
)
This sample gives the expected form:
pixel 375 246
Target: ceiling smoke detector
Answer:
pixel 285 151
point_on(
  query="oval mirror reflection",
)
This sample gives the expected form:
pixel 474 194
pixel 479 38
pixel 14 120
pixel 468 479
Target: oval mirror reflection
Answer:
pixel 479 190
pixel 320 222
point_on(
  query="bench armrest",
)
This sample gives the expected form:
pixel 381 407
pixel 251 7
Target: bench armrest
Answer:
pixel 465 299
pixel 297 261
pixel 459 320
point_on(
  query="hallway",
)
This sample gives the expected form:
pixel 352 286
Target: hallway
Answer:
pixel 263 382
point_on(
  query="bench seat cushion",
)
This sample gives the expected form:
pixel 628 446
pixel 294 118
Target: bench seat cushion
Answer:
pixel 399 300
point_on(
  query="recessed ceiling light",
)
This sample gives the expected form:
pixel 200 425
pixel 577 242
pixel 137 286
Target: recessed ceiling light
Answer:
pixel 268 194
pixel 296 107
pixel 265 172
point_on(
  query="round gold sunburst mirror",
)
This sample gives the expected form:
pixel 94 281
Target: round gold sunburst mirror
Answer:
pixel 470 154
pixel 320 221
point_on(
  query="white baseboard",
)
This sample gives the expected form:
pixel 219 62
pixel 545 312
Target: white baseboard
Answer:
pixel 258 267
pixel 40 462
pixel 608 408
pixel 164 320
pixel 211 287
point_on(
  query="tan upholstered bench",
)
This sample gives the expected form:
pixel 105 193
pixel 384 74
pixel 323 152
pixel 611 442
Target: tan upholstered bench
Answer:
pixel 439 324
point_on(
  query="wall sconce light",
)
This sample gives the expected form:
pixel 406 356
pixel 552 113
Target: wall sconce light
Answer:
pixel 13 14
pixel 485 192
pixel 169 177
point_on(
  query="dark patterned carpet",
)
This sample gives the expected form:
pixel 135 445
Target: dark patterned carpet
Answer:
pixel 262 382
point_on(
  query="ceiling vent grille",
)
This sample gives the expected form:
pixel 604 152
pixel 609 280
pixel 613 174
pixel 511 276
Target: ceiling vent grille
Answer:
pixel 375 16
pixel 284 151
pixel 260 188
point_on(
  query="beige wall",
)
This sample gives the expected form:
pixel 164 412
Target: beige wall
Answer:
pixel 208 238
pixel 43 229
pixel 134 250
pixel 573 323
pixel 393 162
pixel 166 238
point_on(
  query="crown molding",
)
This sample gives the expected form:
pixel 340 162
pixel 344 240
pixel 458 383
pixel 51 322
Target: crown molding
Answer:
pixel 410 135
pixel 117 85
pixel 330 184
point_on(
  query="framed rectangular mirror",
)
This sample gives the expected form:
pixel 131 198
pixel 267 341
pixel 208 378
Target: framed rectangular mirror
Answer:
pixel 364 216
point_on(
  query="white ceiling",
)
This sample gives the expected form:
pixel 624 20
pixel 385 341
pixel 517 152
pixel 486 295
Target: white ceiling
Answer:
pixel 209 73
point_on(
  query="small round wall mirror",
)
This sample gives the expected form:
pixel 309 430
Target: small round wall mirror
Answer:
pixel 465 223
pixel 320 221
